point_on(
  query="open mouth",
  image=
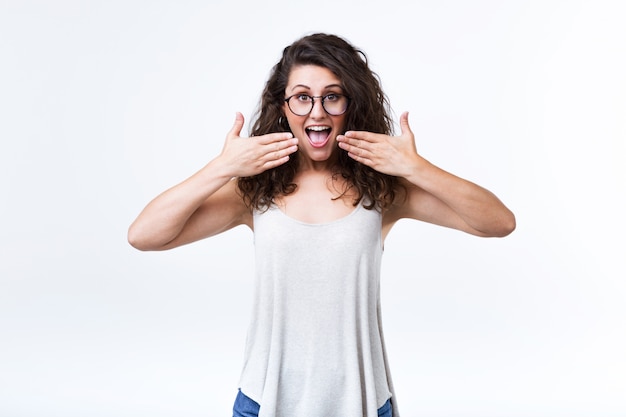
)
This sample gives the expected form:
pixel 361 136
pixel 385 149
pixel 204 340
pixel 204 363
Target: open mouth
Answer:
pixel 318 135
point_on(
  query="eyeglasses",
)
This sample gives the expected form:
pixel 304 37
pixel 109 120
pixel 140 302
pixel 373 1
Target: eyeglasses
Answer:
pixel 333 104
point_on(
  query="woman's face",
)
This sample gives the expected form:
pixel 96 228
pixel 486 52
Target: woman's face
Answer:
pixel 317 130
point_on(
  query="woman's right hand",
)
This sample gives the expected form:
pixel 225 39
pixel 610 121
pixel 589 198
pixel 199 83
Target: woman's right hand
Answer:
pixel 208 203
pixel 245 157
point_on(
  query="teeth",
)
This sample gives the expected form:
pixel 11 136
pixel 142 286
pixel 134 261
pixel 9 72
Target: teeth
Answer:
pixel 318 128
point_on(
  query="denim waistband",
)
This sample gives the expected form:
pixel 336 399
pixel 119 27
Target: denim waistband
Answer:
pixel 247 407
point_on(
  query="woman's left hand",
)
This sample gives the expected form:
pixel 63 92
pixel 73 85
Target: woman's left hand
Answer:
pixel 392 155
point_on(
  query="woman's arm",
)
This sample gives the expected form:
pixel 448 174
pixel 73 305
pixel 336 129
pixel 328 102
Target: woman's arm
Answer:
pixel 208 202
pixel 433 195
pixel 201 206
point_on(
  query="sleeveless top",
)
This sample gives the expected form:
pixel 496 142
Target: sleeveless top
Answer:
pixel 315 345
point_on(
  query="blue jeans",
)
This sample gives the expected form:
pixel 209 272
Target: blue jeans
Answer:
pixel 246 407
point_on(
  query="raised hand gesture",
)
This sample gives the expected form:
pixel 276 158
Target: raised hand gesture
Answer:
pixel 250 156
pixel 392 155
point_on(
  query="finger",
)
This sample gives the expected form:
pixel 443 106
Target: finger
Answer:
pixel 360 157
pixel 354 145
pixel 354 151
pixel 347 144
pixel 282 152
pixel 274 137
pixel 278 158
pixel 404 123
pixel 350 143
pixel 275 163
pixel 361 135
pixel 235 131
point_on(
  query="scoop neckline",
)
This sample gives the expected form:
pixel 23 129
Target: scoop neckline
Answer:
pixel 302 222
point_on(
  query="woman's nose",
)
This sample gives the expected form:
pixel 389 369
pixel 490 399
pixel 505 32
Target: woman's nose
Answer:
pixel 318 109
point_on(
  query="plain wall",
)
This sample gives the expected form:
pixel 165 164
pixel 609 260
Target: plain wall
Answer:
pixel 105 104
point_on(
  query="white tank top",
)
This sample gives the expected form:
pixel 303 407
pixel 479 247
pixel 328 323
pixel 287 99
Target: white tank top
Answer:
pixel 315 346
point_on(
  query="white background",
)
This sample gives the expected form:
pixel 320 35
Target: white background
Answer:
pixel 104 104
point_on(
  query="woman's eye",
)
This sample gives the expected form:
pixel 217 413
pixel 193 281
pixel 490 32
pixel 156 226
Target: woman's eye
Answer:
pixel 303 97
pixel 331 97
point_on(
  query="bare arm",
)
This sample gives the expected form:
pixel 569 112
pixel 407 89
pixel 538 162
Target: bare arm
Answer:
pixel 207 203
pixel 444 199
pixel 201 206
pixel 433 195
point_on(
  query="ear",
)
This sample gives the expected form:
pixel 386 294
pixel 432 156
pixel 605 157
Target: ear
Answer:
pixel 282 119
pixel 284 109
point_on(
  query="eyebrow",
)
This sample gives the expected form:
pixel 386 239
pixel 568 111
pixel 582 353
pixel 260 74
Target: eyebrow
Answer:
pixel 308 88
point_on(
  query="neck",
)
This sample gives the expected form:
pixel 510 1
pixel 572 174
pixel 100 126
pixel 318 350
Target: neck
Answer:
pixel 307 164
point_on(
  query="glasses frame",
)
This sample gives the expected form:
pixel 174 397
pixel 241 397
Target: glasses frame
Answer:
pixel 323 98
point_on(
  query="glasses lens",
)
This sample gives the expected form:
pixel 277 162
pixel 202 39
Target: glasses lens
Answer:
pixel 300 105
pixel 335 104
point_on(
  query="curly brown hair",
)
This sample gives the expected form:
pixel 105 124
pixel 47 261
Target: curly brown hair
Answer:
pixel 369 110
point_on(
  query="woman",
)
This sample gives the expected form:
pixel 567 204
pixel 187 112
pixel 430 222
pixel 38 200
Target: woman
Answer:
pixel 321 182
